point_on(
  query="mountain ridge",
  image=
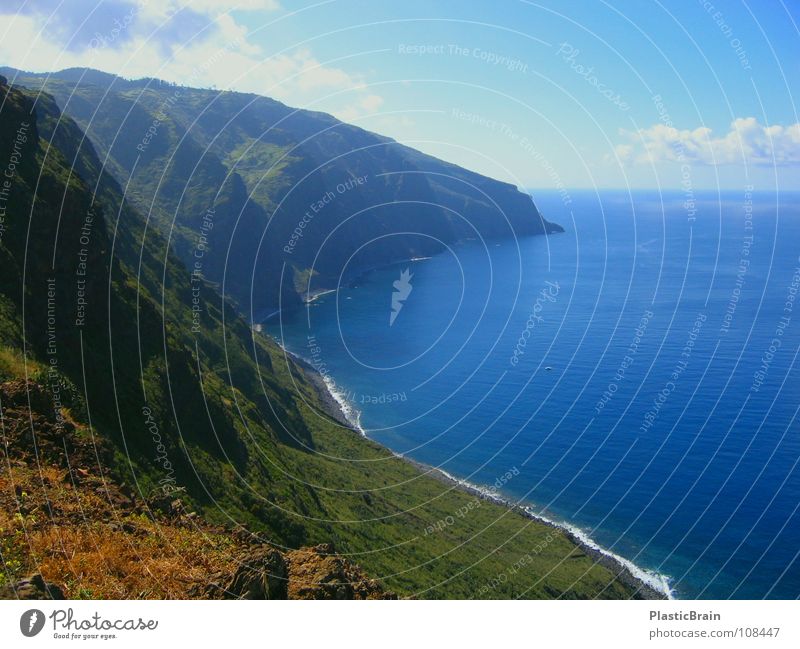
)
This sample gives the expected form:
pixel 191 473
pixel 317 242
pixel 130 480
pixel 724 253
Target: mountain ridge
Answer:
pixel 258 168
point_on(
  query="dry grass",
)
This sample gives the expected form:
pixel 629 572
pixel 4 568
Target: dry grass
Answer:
pixel 156 561
pixel 76 539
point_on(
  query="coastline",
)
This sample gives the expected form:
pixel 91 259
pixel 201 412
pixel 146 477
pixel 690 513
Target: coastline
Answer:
pixel 333 405
pixel 648 584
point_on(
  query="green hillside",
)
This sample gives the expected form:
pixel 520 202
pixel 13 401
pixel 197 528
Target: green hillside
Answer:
pixel 267 190
pixel 95 306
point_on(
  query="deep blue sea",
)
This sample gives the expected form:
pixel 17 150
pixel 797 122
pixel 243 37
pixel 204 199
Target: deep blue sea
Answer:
pixel 636 374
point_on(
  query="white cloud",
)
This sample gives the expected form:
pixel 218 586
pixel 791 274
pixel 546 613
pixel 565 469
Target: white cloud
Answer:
pixel 366 106
pixel 241 5
pixel 197 43
pixel 747 142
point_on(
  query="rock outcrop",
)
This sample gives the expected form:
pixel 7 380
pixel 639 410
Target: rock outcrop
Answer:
pixel 33 587
pixel 319 573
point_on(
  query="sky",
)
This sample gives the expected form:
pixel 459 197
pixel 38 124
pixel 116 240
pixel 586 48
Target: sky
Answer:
pixel 687 94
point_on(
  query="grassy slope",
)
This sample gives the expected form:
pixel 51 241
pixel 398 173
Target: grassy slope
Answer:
pixel 261 165
pixel 248 446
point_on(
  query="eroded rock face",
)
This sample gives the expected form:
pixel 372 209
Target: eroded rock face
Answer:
pixel 33 587
pixel 34 429
pixel 20 394
pixel 307 573
pixel 264 575
pixel 319 573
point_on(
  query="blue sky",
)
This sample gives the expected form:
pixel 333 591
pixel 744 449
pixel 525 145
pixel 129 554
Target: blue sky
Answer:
pixel 578 94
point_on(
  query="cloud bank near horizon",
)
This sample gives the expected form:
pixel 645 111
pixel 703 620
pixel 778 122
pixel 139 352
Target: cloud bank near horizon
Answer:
pixel 748 142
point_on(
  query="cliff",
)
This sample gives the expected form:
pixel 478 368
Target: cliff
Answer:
pixel 150 403
pixel 269 202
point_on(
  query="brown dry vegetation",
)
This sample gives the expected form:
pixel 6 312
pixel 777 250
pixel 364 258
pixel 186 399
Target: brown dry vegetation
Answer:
pixel 64 517
pixel 77 538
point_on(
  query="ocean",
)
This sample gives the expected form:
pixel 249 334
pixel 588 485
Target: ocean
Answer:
pixel 634 377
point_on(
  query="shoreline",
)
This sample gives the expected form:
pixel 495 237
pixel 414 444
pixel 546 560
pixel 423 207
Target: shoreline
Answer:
pixel 648 584
pixel 332 404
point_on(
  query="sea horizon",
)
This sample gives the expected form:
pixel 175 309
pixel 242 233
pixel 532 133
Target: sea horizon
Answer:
pixel 723 228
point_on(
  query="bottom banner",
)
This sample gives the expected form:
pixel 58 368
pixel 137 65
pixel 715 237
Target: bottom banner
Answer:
pixel 397 624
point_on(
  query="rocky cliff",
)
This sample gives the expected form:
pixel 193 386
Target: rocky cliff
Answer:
pixel 271 202
pixel 132 428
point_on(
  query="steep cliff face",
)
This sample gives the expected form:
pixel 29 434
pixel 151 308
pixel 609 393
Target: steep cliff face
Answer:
pixel 131 386
pixel 269 201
